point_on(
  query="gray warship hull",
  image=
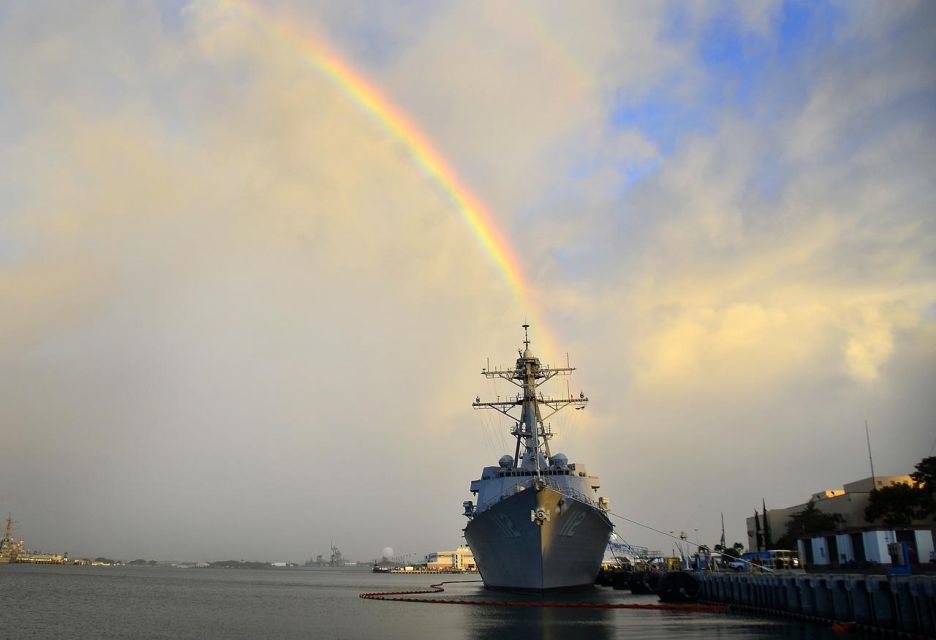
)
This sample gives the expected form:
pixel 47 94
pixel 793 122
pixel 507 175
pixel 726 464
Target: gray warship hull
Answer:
pixel 518 551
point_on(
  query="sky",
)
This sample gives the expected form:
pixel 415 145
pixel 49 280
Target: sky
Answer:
pixel 254 255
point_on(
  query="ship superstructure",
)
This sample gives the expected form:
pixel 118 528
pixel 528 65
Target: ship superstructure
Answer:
pixel 538 523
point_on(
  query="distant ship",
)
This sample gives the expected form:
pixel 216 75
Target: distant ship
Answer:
pixel 11 550
pixel 538 523
pixel 335 560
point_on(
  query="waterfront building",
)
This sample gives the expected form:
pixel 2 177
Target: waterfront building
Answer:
pixel 461 559
pixel 855 543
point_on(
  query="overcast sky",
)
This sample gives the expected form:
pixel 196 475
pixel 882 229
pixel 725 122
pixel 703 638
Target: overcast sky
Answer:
pixel 238 320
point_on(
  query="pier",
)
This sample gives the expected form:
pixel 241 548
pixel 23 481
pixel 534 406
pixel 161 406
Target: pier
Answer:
pixel 902 606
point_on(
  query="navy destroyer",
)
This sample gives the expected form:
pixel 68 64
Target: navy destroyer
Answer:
pixel 539 523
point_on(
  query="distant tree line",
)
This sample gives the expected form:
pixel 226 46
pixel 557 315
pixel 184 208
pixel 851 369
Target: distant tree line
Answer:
pixel 239 564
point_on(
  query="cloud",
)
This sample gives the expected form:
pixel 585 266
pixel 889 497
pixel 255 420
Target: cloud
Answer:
pixel 228 267
pixel 231 296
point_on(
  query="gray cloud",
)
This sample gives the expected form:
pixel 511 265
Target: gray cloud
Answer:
pixel 239 321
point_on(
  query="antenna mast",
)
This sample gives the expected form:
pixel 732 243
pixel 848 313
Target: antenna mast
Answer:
pixel 870 459
pixel 529 428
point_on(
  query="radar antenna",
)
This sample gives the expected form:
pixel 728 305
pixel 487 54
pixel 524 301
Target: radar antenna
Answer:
pixel 529 428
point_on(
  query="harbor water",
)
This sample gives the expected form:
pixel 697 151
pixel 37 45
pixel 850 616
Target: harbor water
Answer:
pixel 174 603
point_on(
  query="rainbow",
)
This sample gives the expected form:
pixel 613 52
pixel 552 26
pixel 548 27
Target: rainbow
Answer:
pixel 420 148
pixel 423 152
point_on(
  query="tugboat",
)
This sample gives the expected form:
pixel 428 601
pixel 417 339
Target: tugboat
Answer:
pixel 539 523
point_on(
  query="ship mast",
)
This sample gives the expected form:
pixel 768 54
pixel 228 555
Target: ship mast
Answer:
pixel 529 429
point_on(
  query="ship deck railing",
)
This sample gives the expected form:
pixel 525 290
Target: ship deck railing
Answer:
pixel 568 492
pixel 527 473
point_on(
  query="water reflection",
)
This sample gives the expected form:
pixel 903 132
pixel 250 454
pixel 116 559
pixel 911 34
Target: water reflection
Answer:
pixel 490 623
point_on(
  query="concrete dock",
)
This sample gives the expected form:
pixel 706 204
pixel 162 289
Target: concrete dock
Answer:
pixel 895 605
